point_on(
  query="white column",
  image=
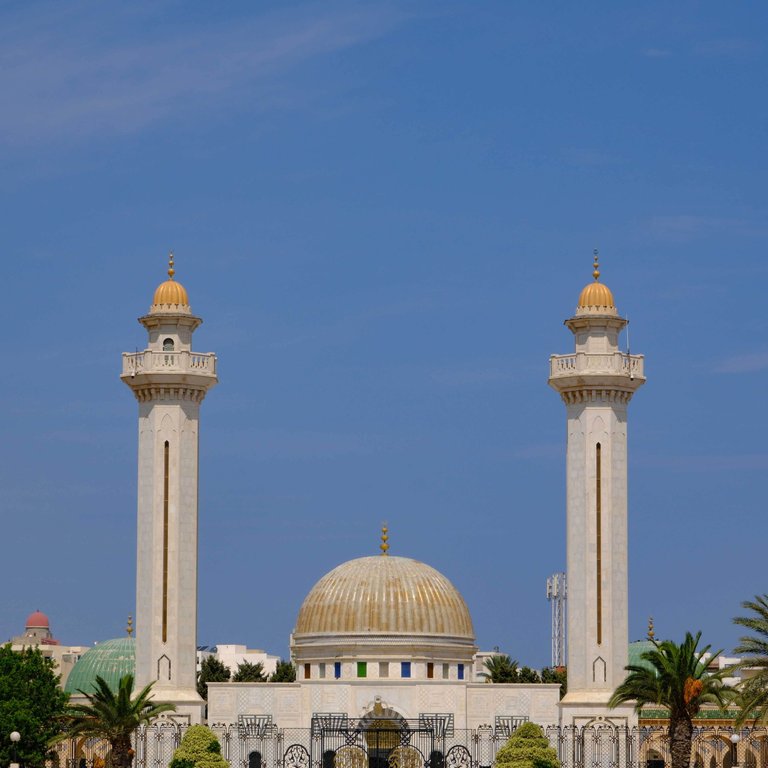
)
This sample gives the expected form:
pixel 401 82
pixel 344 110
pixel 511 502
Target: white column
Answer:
pixel 596 384
pixel 169 382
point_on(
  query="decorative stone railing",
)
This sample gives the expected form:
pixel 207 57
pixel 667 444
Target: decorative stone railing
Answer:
pixel 613 364
pixel 149 361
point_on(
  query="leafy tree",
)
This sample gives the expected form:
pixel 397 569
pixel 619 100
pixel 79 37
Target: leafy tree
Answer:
pixel 528 675
pixel 199 748
pixel 754 689
pixel 31 703
pixel 247 672
pixel 114 716
pixel 500 668
pixel 556 675
pixel 527 747
pixel 677 678
pixel 211 671
pixel 285 672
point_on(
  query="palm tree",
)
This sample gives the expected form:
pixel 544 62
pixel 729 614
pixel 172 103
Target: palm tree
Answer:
pixel 754 689
pixel 675 677
pixel 500 668
pixel 113 717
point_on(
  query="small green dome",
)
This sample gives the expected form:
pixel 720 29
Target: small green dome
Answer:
pixel 111 660
pixel 636 651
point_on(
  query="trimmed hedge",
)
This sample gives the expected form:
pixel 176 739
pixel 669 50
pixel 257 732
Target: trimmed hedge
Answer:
pixel 527 747
pixel 198 749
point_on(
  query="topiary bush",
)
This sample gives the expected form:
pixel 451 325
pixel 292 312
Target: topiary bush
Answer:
pixel 527 747
pixel 198 749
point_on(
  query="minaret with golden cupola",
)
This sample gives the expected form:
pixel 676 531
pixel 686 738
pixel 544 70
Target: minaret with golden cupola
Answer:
pixel 596 383
pixel 169 381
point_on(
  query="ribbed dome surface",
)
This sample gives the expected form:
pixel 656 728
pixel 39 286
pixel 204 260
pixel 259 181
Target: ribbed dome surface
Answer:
pixel 596 295
pixel 384 594
pixel 111 660
pixel 171 292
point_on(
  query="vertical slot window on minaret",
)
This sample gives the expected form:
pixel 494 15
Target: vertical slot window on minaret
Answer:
pixel 166 451
pixel 599 540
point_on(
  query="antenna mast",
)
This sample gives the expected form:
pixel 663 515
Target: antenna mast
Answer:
pixel 557 594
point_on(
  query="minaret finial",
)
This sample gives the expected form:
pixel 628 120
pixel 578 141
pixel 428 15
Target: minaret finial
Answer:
pixel 171 270
pixel 651 633
pixel 384 539
pixel 129 628
pixel 595 265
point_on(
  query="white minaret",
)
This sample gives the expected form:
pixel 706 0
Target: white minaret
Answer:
pixel 169 381
pixel 596 384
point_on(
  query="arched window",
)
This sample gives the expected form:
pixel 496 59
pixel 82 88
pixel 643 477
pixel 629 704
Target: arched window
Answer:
pixel 167 345
pixel 254 760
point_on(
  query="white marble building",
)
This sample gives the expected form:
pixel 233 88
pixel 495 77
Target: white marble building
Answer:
pixel 385 637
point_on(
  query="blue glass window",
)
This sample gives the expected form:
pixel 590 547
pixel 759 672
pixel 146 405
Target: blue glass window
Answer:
pixel 461 672
pixel 337 669
pixel 405 669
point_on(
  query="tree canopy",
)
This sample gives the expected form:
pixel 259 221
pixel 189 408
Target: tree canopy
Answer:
pixel 676 677
pixel 114 716
pixel 211 671
pixel 284 673
pixel 248 672
pixel 556 675
pixel 527 747
pixel 31 703
pixel 754 688
pixel 500 668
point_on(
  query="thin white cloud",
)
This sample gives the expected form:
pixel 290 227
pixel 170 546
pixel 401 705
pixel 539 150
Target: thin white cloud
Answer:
pixel 756 361
pixel 79 74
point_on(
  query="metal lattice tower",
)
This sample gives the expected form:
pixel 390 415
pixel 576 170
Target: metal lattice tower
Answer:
pixel 557 594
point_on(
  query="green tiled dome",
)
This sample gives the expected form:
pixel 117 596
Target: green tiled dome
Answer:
pixel 636 650
pixel 111 660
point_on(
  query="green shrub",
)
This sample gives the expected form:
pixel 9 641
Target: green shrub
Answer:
pixel 527 747
pixel 198 749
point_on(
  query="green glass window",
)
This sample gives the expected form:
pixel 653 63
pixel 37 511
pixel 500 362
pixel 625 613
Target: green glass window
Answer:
pixel 362 668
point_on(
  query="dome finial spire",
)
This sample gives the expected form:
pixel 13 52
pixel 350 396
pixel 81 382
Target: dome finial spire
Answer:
pixel 596 265
pixel 171 270
pixel 129 628
pixel 651 633
pixel 384 539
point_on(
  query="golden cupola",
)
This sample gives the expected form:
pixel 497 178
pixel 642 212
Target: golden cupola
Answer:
pixel 596 298
pixel 171 295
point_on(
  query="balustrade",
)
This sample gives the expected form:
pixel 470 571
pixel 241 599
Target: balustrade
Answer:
pixel 154 361
pixel 613 363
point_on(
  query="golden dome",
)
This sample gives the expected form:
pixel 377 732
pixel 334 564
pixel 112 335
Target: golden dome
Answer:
pixel 596 297
pixel 385 595
pixel 171 293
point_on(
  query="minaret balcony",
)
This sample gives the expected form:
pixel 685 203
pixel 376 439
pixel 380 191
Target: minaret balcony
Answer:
pixel 588 367
pixel 184 363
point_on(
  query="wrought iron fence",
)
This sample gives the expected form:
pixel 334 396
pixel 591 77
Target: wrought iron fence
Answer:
pixel 426 743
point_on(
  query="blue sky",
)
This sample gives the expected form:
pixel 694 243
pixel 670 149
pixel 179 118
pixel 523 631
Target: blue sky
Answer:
pixel 383 211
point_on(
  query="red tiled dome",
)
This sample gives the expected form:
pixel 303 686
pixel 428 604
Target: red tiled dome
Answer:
pixel 37 619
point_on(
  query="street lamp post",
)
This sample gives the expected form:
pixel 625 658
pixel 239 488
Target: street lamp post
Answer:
pixel 735 739
pixel 15 739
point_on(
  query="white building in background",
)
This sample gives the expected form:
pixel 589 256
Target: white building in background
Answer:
pixel 596 384
pixel 232 656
